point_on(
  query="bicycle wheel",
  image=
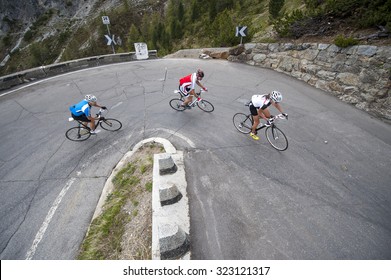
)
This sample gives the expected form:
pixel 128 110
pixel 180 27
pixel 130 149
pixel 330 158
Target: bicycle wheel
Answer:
pixel 205 106
pixel 243 122
pixel 77 134
pixel 176 104
pixel 276 138
pixel 110 124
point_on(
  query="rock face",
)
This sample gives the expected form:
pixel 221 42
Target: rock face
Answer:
pixel 360 75
pixel 25 12
pixel 18 15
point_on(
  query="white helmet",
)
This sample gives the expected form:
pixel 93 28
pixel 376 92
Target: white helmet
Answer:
pixel 90 98
pixel 276 96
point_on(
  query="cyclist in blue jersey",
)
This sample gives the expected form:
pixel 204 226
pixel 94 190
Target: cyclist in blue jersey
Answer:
pixel 82 111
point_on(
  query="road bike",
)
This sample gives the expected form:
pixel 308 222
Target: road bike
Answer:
pixel 274 135
pixel 177 103
pixel 83 132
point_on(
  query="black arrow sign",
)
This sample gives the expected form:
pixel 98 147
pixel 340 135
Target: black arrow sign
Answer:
pixel 241 31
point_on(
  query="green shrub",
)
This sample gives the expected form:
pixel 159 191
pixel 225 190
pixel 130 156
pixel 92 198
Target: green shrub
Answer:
pixel 275 7
pixel 28 36
pixel 284 25
pixel 344 42
pixel 7 40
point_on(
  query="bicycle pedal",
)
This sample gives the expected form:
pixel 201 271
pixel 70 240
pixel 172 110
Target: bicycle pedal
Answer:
pixel 94 133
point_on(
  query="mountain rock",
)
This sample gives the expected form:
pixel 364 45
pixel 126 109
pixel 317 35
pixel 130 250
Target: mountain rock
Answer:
pixel 18 15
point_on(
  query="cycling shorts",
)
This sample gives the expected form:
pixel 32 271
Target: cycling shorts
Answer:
pixel 254 110
pixel 81 118
pixel 185 89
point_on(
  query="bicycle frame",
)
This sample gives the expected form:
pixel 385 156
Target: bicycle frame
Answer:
pixel 279 116
pixel 82 132
pixel 81 123
pixel 194 102
pixel 177 103
pixel 274 135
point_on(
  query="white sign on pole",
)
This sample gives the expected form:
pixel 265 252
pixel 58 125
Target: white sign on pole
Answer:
pixel 106 20
pixel 141 50
pixel 110 40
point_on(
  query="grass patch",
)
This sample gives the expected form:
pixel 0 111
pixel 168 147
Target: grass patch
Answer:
pixel 124 228
pixel 344 42
pixel 148 186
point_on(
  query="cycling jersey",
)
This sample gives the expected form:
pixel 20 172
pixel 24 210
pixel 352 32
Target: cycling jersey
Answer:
pixel 260 101
pixel 187 83
pixel 81 108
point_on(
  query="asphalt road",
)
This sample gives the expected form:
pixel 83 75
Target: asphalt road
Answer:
pixel 247 200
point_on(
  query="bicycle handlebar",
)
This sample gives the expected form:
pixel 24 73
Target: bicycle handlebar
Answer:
pixel 100 112
pixel 279 116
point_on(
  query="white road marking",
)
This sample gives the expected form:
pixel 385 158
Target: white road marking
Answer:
pixel 191 143
pixel 116 105
pixel 30 253
pixel 49 216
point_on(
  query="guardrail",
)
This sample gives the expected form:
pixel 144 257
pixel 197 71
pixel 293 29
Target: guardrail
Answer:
pixel 46 71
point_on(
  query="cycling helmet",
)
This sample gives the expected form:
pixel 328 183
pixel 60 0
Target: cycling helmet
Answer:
pixel 276 96
pixel 200 73
pixel 90 98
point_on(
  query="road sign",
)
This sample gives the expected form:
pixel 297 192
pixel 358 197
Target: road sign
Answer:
pixel 110 40
pixel 119 41
pixel 241 31
pixel 106 20
pixel 141 50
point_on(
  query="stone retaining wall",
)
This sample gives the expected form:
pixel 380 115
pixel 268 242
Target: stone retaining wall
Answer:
pixel 359 75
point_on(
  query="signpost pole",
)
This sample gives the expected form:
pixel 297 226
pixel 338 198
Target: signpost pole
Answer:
pixel 112 44
pixel 106 21
pixel 241 32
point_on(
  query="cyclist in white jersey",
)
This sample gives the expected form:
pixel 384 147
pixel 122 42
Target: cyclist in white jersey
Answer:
pixel 259 109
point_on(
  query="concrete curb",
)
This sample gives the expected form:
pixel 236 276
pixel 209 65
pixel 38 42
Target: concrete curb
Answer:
pixel 170 207
pixel 170 219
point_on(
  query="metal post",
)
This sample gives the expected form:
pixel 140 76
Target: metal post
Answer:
pixel 112 43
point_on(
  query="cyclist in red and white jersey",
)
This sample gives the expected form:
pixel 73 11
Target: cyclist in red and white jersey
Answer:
pixel 187 85
pixel 259 109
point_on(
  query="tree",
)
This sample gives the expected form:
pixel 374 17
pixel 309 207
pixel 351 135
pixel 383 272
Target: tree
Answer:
pixel 224 29
pixel 212 10
pixel 134 35
pixel 40 53
pixel 181 12
pixel 194 11
pixel 221 5
pixel 275 7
